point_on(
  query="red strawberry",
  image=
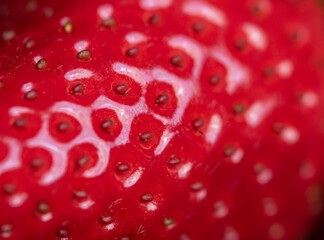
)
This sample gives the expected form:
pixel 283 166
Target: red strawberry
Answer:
pixel 161 119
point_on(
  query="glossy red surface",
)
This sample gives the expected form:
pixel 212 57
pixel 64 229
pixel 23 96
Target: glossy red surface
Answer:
pixel 161 119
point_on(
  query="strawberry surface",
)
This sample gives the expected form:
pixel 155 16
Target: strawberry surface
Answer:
pixel 161 119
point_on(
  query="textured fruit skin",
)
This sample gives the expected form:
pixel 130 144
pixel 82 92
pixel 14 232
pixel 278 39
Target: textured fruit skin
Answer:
pixel 250 144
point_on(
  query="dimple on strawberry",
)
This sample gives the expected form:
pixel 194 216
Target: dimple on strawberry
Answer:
pixel 161 119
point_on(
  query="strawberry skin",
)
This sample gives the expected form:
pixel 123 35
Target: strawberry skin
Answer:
pixel 161 119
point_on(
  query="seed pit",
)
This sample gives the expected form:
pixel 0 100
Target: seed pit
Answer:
pixel 43 207
pixel 109 23
pixel 215 79
pixel 84 55
pixel 78 89
pixel 229 151
pixel 9 188
pixel 62 233
pixel 177 61
pixel 20 123
pixel 155 19
pixel 198 27
pixel 80 195
pixel 106 219
pixel 197 186
pixel 36 163
pixel 173 161
pixel 63 127
pixel 240 44
pixel 82 161
pixel 106 125
pixel 146 197
pixel 121 89
pixel 68 27
pixel 146 137
pixel 41 64
pixel 163 98
pixel 122 168
pixel 132 52
pixel 31 95
pixel 168 221
pixel 239 108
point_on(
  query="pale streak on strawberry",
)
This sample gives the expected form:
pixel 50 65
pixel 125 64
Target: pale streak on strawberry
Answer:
pixel 81 45
pixel 12 160
pixel 255 36
pixel 237 73
pixel 86 204
pixel 258 112
pixel 135 38
pixel 105 11
pixel 164 141
pixel 130 181
pixel 205 11
pixel 154 4
pixel 237 156
pixel 78 73
pixel 184 170
pixel 213 130
pixel 17 111
pixel 18 199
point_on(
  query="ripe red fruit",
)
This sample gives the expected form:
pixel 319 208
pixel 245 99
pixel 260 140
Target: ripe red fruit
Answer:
pixel 161 119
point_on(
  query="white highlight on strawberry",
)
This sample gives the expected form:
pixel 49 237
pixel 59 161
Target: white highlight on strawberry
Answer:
pixel 151 206
pixel 81 45
pixel 164 141
pixel 231 234
pixel 8 35
pixel 307 171
pixel 64 21
pixel 17 111
pixel 309 99
pixel 214 128
pixel 205 11
pixel 290 135
pixel 134 38
pixel 264 176
pixel 105 11
pixel 17 199
pixel 221 209
pixel 270 207
pixel 255 36
pixel 46 217
pixel 237 156
pixel 285 69
pixel 154 4
pixel 110 226
pixel 237 73
pixel 78 73
pixel 27 87
pixel 133 178
pixel 37 58
pixel 184 170
pixel 11 161
pixel 258 112
pixel 86 204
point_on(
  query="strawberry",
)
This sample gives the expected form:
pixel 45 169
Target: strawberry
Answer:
pixel 161 119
